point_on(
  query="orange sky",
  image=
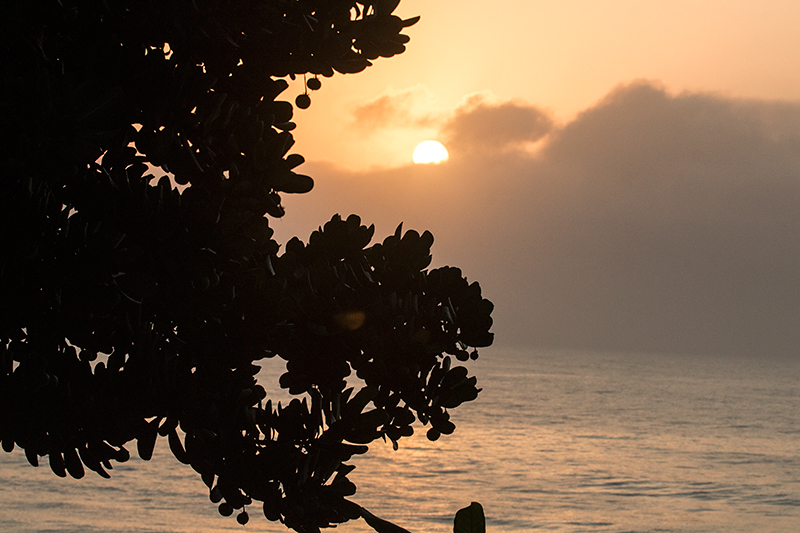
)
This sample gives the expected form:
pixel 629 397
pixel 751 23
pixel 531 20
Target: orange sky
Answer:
pixel 624 175
pixel 561 56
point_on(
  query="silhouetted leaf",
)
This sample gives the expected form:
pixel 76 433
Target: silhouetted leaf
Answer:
pixel 295 184
pixel 73 463
pixel 176 447
pixel 146 441
pixel 380 525
pixel 31 456
pixel 470 520
pixel 57 463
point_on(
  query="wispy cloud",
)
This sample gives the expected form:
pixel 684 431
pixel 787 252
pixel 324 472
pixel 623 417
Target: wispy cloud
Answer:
pixel 395 109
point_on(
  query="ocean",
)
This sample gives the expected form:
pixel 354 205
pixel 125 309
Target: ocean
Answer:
pixel 557 441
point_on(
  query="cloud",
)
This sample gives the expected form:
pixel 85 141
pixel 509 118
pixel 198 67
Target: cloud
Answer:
pixel 651 222
pixel 394 109
pixel 483 126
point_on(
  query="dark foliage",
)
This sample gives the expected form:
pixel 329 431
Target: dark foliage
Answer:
pixel 130 310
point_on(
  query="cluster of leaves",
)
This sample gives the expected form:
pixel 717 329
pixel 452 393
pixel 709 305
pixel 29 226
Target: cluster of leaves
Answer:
pixel 131 310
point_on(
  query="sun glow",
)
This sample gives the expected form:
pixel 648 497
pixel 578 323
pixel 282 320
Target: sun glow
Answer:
pixel 430 152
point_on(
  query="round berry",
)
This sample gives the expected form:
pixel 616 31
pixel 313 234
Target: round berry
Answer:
pixel 225 509
pixel 302 101
pixel 314 84
pixel 242 517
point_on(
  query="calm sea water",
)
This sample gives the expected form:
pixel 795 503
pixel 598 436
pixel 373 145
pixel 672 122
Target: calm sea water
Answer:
pixel 557 441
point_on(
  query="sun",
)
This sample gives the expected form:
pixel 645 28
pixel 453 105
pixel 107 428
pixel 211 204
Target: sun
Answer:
pixel 430 152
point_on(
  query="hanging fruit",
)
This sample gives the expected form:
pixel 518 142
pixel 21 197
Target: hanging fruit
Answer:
pixel 314 84
pixel 302 101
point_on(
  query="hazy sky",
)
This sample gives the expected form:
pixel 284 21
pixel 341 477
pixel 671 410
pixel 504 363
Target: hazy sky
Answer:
pixel 623 174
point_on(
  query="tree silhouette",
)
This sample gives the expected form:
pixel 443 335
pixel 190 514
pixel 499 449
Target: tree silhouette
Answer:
pixel 132 308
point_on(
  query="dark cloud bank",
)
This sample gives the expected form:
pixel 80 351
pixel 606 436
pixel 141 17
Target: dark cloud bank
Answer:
pixel 651 222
